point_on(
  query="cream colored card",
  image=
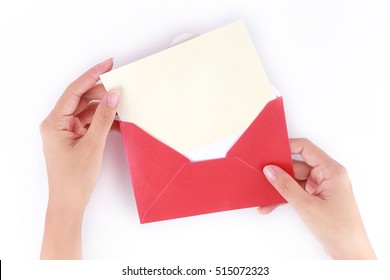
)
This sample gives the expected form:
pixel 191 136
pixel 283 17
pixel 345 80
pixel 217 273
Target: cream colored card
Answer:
pixel 197 92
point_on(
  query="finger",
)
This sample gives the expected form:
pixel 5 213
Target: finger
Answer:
pixel 301 170
pixel 310 153
pixel 97 92
pixel 86 116
pixel 69 101
pixel 265 210
pixel 286 185
pixel 310 187
pixel 314 184
pixel 302 183
pixel 103 119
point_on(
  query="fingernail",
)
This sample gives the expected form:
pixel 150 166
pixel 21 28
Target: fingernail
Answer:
pixel 112 99
pixel 309 188
pixel 270 173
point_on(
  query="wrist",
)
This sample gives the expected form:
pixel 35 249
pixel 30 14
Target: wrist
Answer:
pixel 355 254
pixel 356 248
pixel 62 236
pixel 68 195
pixel 60 210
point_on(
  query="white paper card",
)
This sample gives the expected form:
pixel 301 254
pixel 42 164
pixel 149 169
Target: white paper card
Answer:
pixel 200 91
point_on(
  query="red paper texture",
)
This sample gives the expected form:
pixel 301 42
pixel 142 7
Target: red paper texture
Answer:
pixel 168 185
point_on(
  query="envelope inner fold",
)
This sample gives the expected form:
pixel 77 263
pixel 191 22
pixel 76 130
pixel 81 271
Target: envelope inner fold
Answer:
pixel 195 93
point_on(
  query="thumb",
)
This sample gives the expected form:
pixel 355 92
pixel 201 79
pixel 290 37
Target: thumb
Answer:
pixel 285 185
pixel 103 117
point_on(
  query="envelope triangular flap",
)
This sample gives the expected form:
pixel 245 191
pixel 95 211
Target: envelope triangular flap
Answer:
pixel 206 187
pixel 234 182
pixel 266 140
pixel 152 164
pixel 197 92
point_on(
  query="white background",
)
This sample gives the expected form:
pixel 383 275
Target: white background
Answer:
pixel 329 59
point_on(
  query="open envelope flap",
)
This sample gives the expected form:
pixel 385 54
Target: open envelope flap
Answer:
pixel 266 140
pixel 152 164
pixel 167 185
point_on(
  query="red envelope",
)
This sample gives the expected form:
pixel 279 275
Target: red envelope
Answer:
pixel 168 185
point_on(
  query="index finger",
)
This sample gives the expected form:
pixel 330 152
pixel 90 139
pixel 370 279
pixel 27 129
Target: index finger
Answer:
pixel 68 102
pixel 310 153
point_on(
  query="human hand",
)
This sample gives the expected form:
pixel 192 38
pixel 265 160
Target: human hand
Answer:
pixel 74 136
pixel 322 196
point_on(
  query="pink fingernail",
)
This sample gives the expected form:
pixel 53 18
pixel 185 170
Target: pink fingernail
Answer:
pixel 270 173
pixel 112 99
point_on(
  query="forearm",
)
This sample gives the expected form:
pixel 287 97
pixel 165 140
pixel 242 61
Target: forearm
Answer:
pixel 62 236
pixel 356 247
